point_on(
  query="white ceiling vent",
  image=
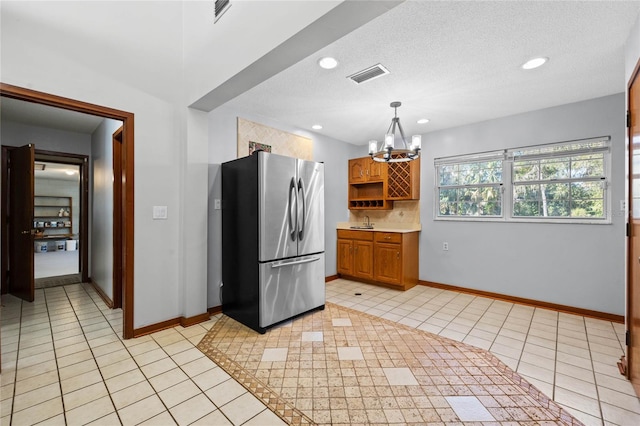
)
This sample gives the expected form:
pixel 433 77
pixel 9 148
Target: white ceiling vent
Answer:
pixel 221 7
pixel 368 74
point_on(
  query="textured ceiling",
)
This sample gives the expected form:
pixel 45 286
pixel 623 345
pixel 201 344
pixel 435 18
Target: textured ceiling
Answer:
pixel 454 63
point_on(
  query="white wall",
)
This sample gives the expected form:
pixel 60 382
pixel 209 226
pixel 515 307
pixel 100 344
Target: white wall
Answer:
pixel 112 54
pixel 101 206
pixel 632 50
pixel 570 264
pixel 223 147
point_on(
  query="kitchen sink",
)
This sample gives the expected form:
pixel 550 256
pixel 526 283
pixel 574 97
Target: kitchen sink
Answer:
pixel 362 227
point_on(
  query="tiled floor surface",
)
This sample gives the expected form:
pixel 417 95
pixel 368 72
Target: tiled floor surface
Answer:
pixel 62 359
pixel 339 366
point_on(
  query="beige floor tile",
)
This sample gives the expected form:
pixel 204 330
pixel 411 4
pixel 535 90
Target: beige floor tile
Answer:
pixel 112 357
pixel 187 356
pixel 71 349
pixel 38 413
pixel 104 350
pixel 576 385
pixel 264 418
pixel 148 357
pixel 77 369
pixel 108 420
pixel 75 358
pixel 242 408
pixel 219 419
pixel 586 419
pixel 132 394
pixel 575 372
pixel 142 347
pixel 32 383
pixel 225 392
pixel 192 409
pixel 577 401
pixel 80 381
pixel 58 420
pixel 90 411
pixel 179 393
pixel 27 359
pixel 158 367
pixel 619 416
pixel 620 400
pixel 198 366
pixel 36 396
pixel 125 380
pixel 164 419
pixel 141 410
pixel 539 373
pixel 84 395
pixel 179 346
pixel 210 378
pixel 167 379
pixel 35 370
pixel 6 391
pixel 117 368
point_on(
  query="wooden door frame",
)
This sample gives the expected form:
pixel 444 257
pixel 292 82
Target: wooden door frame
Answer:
pixel 126 250
pixel 635 79
pixel 117 273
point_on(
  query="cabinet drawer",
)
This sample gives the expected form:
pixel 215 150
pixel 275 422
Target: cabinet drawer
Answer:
pixel 388 237
pixel 355 235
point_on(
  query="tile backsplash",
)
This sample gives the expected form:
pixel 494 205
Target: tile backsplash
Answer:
pixel 402 212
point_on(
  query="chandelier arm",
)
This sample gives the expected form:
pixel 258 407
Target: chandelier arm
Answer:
pixel 404 141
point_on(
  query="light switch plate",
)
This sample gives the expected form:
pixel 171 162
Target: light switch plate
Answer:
pixel 159 212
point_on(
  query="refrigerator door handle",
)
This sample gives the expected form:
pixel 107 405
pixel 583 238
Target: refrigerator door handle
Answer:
pixel 294 262
pixel 304 209
pixel 292 228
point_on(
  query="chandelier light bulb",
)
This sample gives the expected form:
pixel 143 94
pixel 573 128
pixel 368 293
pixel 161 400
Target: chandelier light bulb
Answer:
pixel 373 147
pixel 416 142
pixel 388 140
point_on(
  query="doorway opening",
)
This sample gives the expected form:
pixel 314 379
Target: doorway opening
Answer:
pixel 124 251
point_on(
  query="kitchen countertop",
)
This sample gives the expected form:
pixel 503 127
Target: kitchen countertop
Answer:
pixel 402 228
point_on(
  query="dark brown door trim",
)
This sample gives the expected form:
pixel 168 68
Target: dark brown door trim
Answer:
pixel 117 218
pixel 127 118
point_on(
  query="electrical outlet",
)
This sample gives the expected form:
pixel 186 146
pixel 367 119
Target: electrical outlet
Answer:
pixel 623 205
pixel 445 246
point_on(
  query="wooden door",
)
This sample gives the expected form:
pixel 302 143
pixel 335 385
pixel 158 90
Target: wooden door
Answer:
pixel 363 259
pixel 633 270
pixel 20 219
pixel 345 257
pixel 357 170
pixel 388 266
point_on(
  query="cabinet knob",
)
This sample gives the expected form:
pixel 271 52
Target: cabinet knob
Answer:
pixel 361 173
pixel 387 237
pixel 398 255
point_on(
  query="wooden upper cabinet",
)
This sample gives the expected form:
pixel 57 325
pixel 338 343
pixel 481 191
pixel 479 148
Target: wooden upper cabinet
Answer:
pixel 364 169
pixel 404 180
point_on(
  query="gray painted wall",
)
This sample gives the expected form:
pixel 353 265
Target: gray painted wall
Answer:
pixel 222 147
pixel 44 138
pixel 570 264
pixel 101 207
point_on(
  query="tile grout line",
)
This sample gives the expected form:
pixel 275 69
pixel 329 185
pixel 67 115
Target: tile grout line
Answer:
pixel 593 369
pixel 90 350
pixel 55 356
pixel 15 373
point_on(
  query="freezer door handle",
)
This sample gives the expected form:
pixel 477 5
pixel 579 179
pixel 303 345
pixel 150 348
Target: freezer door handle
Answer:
pixel 294 262
pixel 304 210
pixel 292 228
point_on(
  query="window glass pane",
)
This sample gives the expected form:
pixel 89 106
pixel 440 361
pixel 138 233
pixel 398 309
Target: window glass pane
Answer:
pixel 586 190
pixel 526 170
pixel 554 168
pixel 556 209
pixel 587 208
pixel 471 201
pixel 526 208
pixel 526 192
pixel 587 166
pixel 448 175
pixel 555 191
pixel 448 208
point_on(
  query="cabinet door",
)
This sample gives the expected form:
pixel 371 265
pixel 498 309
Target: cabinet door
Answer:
pixel 376 171
pixel 345 257
pixel 388 267
pixel 358 170
pixel 363 259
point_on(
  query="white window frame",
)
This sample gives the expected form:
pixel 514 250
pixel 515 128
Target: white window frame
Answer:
pixel 534 152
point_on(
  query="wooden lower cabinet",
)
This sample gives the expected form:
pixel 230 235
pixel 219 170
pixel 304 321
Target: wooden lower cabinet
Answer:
pixel 388 258
pixel 355 254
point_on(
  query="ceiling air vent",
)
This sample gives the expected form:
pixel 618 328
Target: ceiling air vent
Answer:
pixel 221 7
pixel 369 74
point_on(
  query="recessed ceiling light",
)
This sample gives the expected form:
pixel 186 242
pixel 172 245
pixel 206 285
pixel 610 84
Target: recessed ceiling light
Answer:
pixel 534 63
pixel 423 121
pixel 328 63
pixel 316 127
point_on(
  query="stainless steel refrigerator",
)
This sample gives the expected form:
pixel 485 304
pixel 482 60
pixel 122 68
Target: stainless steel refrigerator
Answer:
pixel 272 239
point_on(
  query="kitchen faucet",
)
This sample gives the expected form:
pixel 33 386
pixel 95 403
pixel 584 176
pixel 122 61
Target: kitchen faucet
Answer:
pixel 368 222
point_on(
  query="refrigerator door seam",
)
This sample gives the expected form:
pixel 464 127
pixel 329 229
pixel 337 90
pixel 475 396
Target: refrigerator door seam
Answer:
pixel 304 210
pixel 292 186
